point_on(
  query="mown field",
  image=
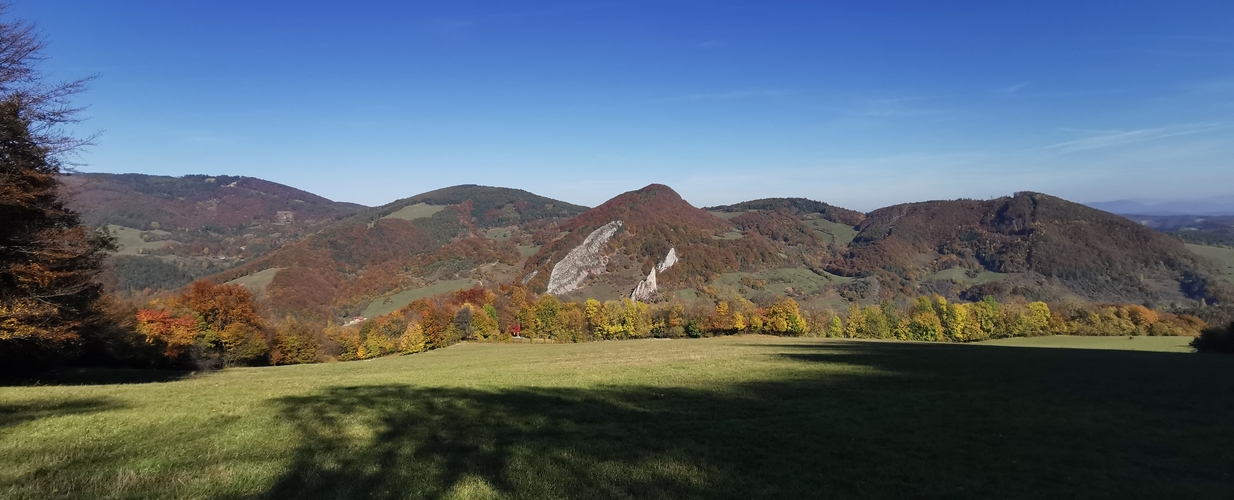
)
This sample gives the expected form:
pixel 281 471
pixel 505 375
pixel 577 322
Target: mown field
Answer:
pixel 735 417
pixel 1158 344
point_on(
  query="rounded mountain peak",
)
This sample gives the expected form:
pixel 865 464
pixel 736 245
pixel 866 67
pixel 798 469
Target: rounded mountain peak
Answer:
pixel 654 204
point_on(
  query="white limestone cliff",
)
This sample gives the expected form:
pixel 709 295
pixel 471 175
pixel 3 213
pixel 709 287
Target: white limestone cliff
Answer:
pixel 583 261
pixel 645 288
pixel 668 261
pixel 648 286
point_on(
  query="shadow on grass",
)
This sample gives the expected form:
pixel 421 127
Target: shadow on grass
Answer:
pixel 95 376
pixel 13 414
pixel 869 420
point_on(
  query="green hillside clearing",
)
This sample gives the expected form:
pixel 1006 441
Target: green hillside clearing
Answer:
pixel 500 233
pixel 258 281
pixel 735 417
pixel 833 232
pixel 1223 257
pixel 399 300
pixel 416 211
pixel 131 242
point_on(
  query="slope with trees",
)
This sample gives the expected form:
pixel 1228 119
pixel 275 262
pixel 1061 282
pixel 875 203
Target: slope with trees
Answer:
pixel 49 294
pixel 656 219
pixel 338 271
pixel 1091 253
pixel 176 229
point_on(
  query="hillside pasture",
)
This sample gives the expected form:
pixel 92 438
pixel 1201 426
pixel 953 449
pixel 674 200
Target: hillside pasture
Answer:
pixel 131 242
pixel 415 211
pixel 734 417
pixel 387 305
pixel 528 250
pixel 833 232
pixel 500 233
pixel 1222 257
pixel 258 281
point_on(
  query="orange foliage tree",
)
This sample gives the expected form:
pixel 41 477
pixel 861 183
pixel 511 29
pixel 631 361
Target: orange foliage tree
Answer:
pixel 227 330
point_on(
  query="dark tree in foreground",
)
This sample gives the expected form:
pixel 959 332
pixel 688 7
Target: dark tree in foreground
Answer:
pixel 48 261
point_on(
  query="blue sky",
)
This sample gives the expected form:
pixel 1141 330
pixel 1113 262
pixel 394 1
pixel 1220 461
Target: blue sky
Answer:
pixel 860 104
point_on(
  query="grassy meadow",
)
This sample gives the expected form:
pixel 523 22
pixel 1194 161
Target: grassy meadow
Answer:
pixel 130 242
pixel 1222 257
pixel 258 281
pixel 387 305
pixel 416 211
pixel 1157 344
pixel 732 417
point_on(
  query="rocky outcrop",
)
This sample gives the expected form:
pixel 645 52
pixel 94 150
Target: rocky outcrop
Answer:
pixel 583 261
pixel 668 261
pixel 648 286
pixel 645 288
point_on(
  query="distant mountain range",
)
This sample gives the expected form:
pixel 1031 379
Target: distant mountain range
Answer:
pixel 1222 205
pixel 314 258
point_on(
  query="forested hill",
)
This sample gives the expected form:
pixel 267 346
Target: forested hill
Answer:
pixel 487 206
pixel 462 235
pixel 798 207
pixel 222 203
pixel 172 230
pixel 655 220
pixel 1095 254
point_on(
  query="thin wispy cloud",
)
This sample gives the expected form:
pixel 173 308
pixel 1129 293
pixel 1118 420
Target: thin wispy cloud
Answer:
pixel 1111 139
pixel 1014 88
pixel 890 107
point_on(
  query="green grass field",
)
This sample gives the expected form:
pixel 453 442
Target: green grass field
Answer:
pixel 499 233
pixel 736 417
pixel 416 211
pixel 399 300
pixel 258 281
pixel 835 232
pixel 1158 344
pixel 1223 257
pixel 130 240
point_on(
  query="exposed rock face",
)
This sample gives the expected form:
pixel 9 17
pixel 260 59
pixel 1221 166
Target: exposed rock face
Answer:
pixel 583 261
pixel 645 288
pixel 648 286
pixel 668 261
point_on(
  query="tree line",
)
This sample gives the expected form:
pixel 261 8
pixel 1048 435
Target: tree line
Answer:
pixel 213 325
